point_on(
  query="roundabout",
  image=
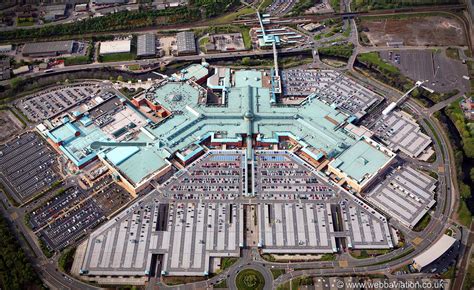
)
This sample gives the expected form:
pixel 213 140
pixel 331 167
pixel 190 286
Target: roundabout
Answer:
pixel 249 279
pixel 251 276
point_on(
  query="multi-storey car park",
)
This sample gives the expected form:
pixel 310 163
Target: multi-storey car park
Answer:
pixel 226 159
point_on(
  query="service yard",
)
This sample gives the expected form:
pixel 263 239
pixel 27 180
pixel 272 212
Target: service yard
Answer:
pixel 413 31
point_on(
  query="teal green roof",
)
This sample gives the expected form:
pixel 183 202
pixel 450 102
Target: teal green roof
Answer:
pixel 314 122
pixel 360 161
pixel 196 71
pixel 248 110
pixel 142 161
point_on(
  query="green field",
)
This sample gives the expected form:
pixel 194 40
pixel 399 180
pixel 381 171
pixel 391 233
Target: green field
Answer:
pixel 117 57
pixel 227 262
pixel 232 16
pixel 343 51
pixel 250 279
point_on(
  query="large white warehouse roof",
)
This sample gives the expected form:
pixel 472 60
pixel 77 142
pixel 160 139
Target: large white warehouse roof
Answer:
pixel 116 46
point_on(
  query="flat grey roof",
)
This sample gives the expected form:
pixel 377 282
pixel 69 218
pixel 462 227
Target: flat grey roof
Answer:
pixel 307 227
pixel 401 132
pixel 186 233
pixel 185 41
pixel 48 47
pixel 146 45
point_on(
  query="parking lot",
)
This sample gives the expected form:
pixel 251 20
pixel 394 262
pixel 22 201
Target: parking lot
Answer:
pixel 280 7
pixel 56 206
pixel 444 74
pixel 68 216
pixel 282 175
pixel 406 194
pixel 215 175
pixel 67 228
pixel 111 198
pixel 332 88
pixel 402 133
pixel 49 103
pixel 27 166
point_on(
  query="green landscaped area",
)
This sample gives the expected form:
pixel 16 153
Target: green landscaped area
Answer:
pixel 374 59
pixel 342 51
pixel 76 60
pixel 296 283
pixel 301 6
pixel 66 259
pixel 365 254
pixel 232 16
pixel 221 285
pixel 250 279
pixel 246 37
pixel 463 156
pixel 423 223
pixel 335 4
pixel 24 22
pixel 283 62
pixel 452 52
pixel 227 262
pixel 203 42
pixel 264 4
pixel 178 280
pixel 469 280
pixel 117 57
pixel 277 272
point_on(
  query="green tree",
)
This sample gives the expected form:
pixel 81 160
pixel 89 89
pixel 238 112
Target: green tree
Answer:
pixel 464 190
pixel 469 147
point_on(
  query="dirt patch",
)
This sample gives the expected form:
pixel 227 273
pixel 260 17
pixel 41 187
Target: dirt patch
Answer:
pixel 9 125
pixel 414 31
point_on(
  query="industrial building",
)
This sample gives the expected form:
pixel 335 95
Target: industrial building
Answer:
pixel 186 43
pixel 48 49
pixel 146 45
pixel 54 12
pixel 115 46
